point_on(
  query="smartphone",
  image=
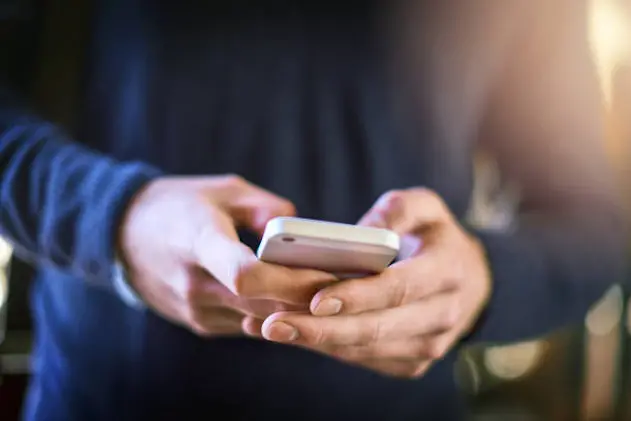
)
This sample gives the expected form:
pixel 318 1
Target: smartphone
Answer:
pixel 342 249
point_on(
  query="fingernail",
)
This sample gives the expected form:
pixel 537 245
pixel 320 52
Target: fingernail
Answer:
pixel 281 331
pixel 328 307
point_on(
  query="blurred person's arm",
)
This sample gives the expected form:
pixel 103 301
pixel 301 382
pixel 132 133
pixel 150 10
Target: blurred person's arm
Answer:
pixel 60 203
pixel 544 127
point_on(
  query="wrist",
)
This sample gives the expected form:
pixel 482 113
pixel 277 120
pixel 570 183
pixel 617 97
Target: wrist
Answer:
pixel 125 242
pixel 123 246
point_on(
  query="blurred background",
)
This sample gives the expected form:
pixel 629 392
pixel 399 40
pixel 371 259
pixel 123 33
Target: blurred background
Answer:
pixel 582 373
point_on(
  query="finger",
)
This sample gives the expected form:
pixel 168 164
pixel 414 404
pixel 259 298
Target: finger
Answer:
pixel 262 309
pixel 412 349
pixel 279 283
pixel 419 318
pixel 402 283
pixel 248 205
pixel 218 321
pixel 406 211
pixel 235 265
pixel 198 289
pixel 252 326
pixel 201 292
pixel 224 258
pixel 395 368
pixel 419 348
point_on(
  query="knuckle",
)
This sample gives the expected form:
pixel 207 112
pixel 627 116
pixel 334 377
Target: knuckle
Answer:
pixel 392 200
pixel 436 349
pixel 316 336
pixel 234 180
pixel 374 334
pixel 426 194
pixel 244 279
pixel 431 197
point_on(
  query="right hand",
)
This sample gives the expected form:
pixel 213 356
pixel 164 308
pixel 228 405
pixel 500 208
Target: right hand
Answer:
pixel 183 256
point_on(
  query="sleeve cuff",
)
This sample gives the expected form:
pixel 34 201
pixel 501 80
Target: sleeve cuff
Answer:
pixel 547 275
pixel 123 289
pixel 523 303
pixel 107 211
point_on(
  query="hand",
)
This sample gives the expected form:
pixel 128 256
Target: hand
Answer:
pixel 410 315
pixel 183 255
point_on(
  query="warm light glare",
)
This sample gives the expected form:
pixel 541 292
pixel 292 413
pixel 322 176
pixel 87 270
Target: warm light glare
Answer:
pixel 605 316
pixel 512 362
pixel 5 253
pixel 610 35
pixel 5 256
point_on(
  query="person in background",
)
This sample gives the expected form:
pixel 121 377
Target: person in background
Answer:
pixel 200 121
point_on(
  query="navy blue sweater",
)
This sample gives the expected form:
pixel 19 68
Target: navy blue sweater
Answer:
pixel 328 106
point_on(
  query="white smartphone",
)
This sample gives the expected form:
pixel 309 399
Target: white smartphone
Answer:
pixel 342 249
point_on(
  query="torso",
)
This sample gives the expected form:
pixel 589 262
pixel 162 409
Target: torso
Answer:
pixel 309 102
pixel 306 100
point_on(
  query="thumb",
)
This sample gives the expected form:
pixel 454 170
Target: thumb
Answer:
pixel 223 257
pixel 406 211
pixel 235 266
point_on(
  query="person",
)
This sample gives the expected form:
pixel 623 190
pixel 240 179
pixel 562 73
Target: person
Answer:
pixel 149 301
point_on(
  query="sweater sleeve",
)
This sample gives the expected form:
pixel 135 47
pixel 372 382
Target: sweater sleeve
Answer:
pixel 60 203
pixel 544 127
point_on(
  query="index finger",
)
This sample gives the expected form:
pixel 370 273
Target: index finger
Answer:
pixel 272 282
pixel 236 266
pixel 400 284
pixel 406 211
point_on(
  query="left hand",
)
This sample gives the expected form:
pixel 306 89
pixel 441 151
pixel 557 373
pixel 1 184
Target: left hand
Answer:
pixel 402 320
